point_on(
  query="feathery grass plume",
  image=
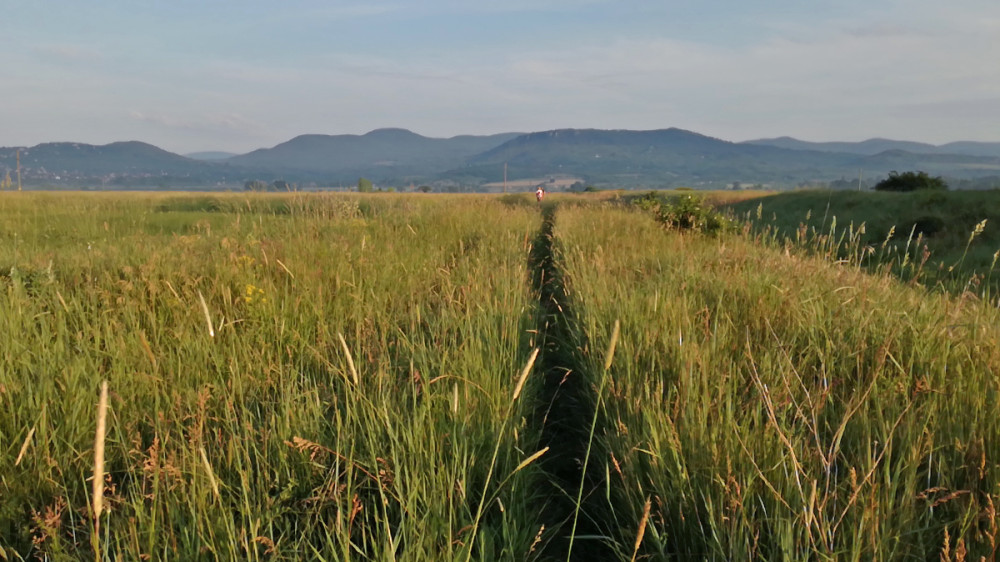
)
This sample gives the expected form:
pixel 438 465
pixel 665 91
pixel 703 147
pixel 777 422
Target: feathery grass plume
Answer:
pixel 208 317
pixel 285 267
pixel 976 231
pixel 642 529
pixel 538 539
pixel 98 482
pixel 610 355
pixel 525 373
pixel 62 301
pixel 530 460
pixel 350 360
pixel 24 447
pixel 211 473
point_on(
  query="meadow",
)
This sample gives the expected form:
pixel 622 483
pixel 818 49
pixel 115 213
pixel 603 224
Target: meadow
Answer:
pixel 769 406
pixel 308 377
pixel 426 377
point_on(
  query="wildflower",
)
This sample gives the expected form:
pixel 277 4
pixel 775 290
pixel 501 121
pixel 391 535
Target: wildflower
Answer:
pixel 253 292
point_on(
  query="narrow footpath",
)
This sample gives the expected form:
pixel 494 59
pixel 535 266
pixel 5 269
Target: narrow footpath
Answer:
pixel 564 413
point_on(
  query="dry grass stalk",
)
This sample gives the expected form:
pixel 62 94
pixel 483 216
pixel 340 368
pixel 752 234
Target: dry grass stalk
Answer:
pixel 612 345
pixel 98 483
pixel 211 474
pixel 173 292
pixel 62 301
pixel 350 360
pixel 288 271
pixel 24 447
pixel 530 460
pixel 642 529
pixel 524 373
pixel 538 539
pixel 208 317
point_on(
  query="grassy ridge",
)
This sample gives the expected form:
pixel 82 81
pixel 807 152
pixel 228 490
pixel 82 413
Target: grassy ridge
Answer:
pixel 899 228
pixel 773 407
pixel 341 392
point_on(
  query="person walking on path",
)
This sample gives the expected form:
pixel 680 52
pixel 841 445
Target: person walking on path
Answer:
pixel 539 194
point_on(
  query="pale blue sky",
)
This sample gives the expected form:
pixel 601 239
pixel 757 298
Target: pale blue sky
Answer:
pixel 232 75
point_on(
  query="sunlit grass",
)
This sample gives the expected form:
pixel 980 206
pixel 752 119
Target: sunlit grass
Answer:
pixel 780 407
pixel 333 376
pixel 240 426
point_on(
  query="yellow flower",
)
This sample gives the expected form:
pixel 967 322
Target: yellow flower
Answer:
pixel 254 292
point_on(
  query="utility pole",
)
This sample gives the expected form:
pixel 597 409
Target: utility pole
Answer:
pixel 505 177
pixel 861 174
pixel 19 170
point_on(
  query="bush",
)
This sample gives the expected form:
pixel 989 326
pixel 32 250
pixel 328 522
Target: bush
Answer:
pixel 911 181
pixel 687 212
pixel 650 201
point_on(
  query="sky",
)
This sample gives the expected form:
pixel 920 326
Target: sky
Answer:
pixel 236 75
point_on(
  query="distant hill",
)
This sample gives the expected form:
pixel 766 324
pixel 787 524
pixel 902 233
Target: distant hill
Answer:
pixel 121 163
pixel 397 157
pixel 664 157
pixel 675 157
pixel 875 146
pixel 210 155
pixel 972 148
pixel 380 154
pixel 65 156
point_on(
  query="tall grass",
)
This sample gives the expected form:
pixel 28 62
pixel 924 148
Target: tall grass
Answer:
pixel 337 377
pixel 772 406
pixel 942 240
pixel 290 377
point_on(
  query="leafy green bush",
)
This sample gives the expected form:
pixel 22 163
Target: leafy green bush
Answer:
pixel 686 212
pixel 649 201
pixel 911 181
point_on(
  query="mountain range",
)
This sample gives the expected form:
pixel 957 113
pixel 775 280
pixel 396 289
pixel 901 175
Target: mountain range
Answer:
pixel 872 147
pixel 399 158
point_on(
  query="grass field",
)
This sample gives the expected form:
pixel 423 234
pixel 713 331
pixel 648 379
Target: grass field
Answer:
pixel 769 407
pixel 425 377
pixel 289 377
